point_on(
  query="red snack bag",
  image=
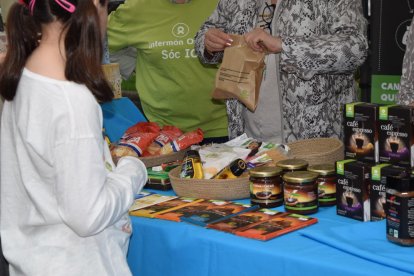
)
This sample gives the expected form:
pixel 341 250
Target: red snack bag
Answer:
pixel 141 127
pixel 167 134
pixel 183 142
pixel 133 146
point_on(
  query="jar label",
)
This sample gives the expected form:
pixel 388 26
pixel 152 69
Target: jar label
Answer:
pixel 265 193
pixel 400 217
pixel 300 199
pixel 326 191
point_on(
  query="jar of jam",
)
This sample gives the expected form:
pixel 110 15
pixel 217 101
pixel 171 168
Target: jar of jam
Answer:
pixel 326 183
pixel 301 192
pixel 291 165
pixel 266 187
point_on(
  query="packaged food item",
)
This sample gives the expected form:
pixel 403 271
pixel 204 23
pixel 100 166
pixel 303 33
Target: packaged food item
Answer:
pixel 167 134
pixel 301 192
pixel 191 167
pixel 266 187
pixel 400 219
pixel 141 127
pixel 291 165
pixel 183 142
pixel 233 170
pixel 326 183
pixel 133 146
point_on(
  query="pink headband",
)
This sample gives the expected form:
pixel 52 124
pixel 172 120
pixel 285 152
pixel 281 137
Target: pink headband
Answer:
pixel 63 3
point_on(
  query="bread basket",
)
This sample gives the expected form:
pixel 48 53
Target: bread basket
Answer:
pixel 317 150
pixel 223 189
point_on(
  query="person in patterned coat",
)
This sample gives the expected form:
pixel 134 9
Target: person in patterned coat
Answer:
pixel 314 47
pixel 406 94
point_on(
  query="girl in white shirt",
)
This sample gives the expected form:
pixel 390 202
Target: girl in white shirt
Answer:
pixel 63 201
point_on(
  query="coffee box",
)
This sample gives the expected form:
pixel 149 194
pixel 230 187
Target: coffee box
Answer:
pixel 361 132
pixel 396 134
pixel 352 190
pixel 379 176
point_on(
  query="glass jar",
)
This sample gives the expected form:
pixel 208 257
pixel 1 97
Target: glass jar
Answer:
pixel 301 192
pixel 326 183
pixel 266 187
pixel 291 165
pixel 400 210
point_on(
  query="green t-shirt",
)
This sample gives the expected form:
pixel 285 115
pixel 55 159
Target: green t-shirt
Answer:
pixel 174 87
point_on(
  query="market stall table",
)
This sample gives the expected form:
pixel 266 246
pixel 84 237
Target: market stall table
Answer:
pixel 334 246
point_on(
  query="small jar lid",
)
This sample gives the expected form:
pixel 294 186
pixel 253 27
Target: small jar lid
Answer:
pixel 265 171
pixel 300 177
pixel 323 169
pixel 292 164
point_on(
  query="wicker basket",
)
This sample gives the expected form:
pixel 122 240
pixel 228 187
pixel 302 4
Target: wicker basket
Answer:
pixel 317 150
pixel 223 189
pixel 153 161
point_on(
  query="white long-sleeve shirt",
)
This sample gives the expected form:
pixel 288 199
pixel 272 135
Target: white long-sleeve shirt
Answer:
pixel 63 202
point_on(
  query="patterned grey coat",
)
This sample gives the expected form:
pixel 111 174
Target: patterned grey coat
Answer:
pixel 406 93
pixel 323 41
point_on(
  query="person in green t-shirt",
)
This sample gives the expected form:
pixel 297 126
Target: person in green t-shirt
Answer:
pixel 173 85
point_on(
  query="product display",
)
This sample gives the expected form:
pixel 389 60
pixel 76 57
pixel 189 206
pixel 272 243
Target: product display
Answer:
pixel 379 176
pixel 361 131
pixel 233 170
pixel 215 210
pixel 266 187
pixel 400 201
pixel 396 135
pixel 300 192
pixel 163 207
pixel 326 183
pixel 276 226
pixel 290 165
pixel 192 167
pixel 352 190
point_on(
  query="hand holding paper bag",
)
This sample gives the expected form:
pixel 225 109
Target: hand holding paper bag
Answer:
pixel 240 74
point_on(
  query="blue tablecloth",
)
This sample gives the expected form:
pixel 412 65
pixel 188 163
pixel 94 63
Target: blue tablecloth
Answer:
pixel 118 116
pixel 335 245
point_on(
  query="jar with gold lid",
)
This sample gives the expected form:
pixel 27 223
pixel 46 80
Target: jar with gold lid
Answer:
pixel 326 182
pixel 290 165
pixel 301 192
pixel 266 187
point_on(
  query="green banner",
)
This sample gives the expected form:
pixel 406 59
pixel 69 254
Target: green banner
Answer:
pixel 384 88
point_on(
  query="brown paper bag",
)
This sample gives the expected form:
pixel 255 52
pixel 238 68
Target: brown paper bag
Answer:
pixel 113 77
pixel 240 74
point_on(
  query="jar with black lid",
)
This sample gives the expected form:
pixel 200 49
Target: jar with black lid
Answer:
pixel 301 192
pixel 290 165
pixel 266 187
pixel 326 183
pixel 400 210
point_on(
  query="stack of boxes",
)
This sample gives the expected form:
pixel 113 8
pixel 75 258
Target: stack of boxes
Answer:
pixel 378 143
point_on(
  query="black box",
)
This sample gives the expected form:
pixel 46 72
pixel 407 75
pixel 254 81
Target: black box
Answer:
pixel 361 132
pixel 352 190
pixel 378 185
pixel 396 128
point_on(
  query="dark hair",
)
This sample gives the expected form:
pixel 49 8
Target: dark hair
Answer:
pixel 83 44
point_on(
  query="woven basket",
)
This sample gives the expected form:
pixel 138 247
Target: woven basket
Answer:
pixel 317 150
pixel 153 161
pixel 223 189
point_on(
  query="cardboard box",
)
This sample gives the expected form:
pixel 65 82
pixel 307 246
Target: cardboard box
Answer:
pixel 352 190
pixel 379 176
pixel 361 132
pixel 396 134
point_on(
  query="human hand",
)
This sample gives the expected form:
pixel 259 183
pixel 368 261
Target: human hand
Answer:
pixel 261 41
pixel 216 40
